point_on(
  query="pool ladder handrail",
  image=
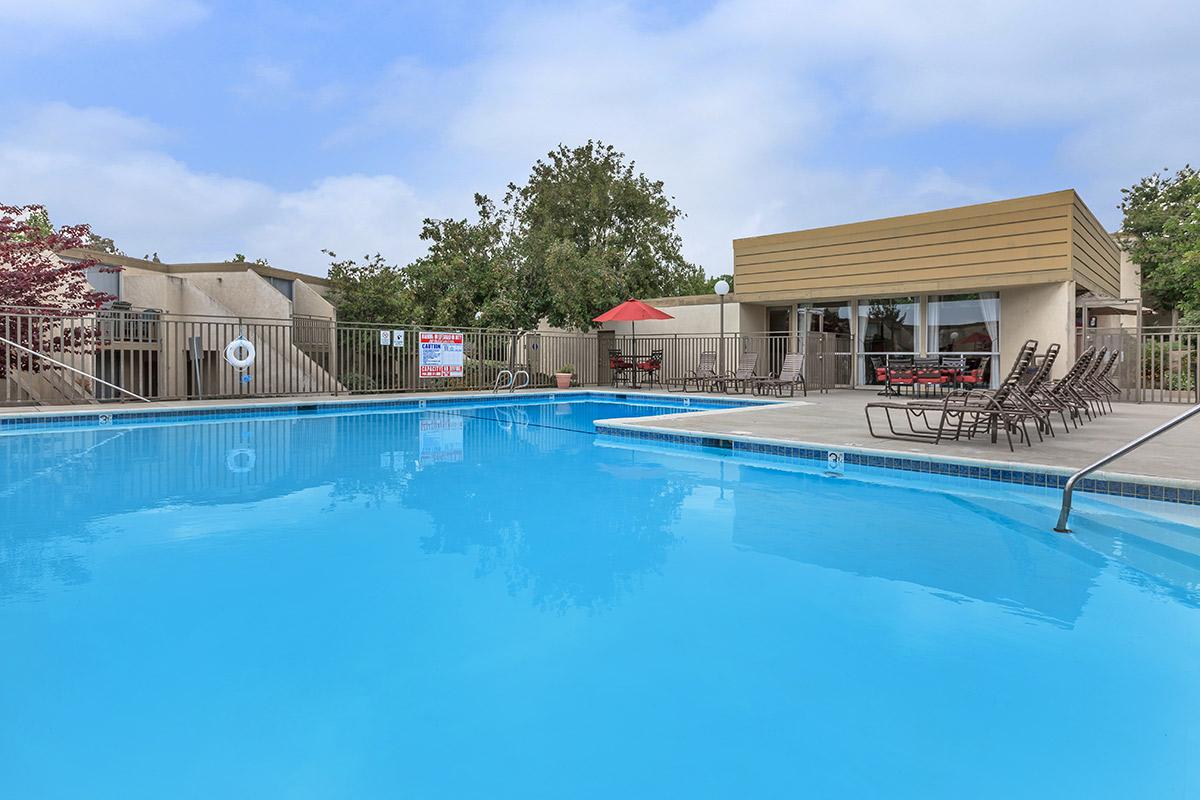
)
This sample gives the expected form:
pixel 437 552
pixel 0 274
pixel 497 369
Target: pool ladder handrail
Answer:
pixel 1069 489
pixel 64 365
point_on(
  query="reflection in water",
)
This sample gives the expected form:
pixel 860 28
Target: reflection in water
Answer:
pixel 530 515
pixel 983 543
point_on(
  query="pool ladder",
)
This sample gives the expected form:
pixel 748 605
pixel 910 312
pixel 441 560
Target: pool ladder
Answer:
pixel 512 376
pixel 1069 489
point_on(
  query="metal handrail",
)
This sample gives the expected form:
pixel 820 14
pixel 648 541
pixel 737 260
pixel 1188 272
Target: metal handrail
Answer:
pixel 1069 489
pixel 512 387
pixel 11 343
pixel 499 376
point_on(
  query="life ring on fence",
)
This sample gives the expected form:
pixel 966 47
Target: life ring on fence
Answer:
pixel 240 344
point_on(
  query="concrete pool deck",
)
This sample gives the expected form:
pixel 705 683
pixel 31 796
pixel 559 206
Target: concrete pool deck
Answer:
pixel 834 421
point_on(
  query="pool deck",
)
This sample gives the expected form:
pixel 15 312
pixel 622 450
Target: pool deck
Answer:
pixel 831 421
pixel 836 420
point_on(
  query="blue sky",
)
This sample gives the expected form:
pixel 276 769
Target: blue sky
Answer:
pixel 198 129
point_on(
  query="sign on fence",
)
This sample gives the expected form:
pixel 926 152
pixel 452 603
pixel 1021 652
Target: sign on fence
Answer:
pixel 398 338
pixel 385 338
pixel 441 355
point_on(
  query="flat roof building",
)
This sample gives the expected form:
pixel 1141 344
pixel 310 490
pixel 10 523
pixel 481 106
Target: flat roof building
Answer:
pixel 975 281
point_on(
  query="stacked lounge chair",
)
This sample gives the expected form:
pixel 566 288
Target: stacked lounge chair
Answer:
pixel 1027 394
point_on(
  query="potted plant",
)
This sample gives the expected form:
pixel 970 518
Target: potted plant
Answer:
pixel 564 376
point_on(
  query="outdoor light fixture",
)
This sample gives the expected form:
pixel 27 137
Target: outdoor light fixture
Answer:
pixel 721 288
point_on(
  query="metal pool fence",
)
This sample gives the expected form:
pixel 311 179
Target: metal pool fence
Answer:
pixel 1157 365
pixel 161 356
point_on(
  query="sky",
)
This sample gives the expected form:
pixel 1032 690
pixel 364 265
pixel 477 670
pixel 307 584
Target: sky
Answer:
pixel 198 129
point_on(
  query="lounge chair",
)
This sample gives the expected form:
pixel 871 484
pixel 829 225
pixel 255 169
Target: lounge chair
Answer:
pixel 965 414
pixel 791 375
pixel 743 377
pixel 700 377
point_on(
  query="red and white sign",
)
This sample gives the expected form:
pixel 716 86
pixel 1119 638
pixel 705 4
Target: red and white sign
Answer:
pixel 441 355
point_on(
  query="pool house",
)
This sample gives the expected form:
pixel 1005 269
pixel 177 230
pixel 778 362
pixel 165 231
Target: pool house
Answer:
pixel 973 281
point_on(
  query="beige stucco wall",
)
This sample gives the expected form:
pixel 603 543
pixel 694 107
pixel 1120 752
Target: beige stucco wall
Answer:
pixel 1045 312
pixel 245 293
pixel 307 301
pixel 698 315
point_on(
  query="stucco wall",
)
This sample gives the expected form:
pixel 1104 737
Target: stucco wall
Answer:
pixel 1045 312
pixel 690 316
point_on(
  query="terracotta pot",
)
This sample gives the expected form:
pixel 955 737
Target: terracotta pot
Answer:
pixel 563 379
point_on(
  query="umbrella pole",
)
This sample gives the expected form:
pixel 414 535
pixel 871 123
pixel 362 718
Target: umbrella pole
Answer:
pixel 633 347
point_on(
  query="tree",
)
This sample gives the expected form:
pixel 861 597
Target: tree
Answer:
pixel 240 258
pixel 1161 233
pixel 33 274
pixel 472 267
pixel 373 291
pixel 585 232
pixel 592 231
pixel 710 284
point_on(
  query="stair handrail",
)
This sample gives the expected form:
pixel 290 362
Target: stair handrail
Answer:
pixel 11 343
pixel 1069 489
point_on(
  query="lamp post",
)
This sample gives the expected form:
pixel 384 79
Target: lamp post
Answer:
pixel 722 289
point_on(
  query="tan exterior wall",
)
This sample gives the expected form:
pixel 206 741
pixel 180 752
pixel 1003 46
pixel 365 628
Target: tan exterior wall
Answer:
pixel 1046 313
pixel 699 314
pixel 307 301
pixel 1046 238
pixel 1095 257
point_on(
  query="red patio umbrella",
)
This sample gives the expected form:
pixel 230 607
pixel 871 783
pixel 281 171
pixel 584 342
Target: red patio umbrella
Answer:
pixel 631 311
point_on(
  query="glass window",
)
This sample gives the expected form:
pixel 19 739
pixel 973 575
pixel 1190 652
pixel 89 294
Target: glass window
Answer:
pixel 826 318
pixel 964 323
pixel 888 326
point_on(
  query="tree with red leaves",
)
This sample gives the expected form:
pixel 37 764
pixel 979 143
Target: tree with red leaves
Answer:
pixel 33 274
pixel 39 287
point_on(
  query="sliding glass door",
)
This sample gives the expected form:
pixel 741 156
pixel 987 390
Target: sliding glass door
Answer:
pixel 887 328
pixel 967 325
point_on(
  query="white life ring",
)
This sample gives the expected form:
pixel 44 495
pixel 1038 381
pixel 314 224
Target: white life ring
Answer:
pixel 240 344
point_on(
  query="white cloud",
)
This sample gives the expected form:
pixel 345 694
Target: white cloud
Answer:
pixel 26 25
pixel 735 110
pixel 105 168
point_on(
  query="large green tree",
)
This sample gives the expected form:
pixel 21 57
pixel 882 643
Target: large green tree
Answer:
pixel 1161 232
pixel 584 232
pixel 593 231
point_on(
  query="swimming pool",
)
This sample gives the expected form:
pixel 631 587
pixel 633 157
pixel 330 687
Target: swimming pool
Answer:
pixel 492 601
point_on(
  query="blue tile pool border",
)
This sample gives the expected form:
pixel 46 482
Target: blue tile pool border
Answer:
pixel 1029 475
pixel 101 417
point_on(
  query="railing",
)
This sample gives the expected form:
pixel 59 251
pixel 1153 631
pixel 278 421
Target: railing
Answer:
pixel 178 357
pixel 1069 489
pixel 1156 366
pixel 61 365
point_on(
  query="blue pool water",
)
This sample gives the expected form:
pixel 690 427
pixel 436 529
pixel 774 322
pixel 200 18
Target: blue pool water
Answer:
pixel 494 602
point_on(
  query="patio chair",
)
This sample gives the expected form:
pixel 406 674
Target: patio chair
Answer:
pixel 743 377
pixel 791 375
pixel 651 367
pixel 700 377
pixel 964 414
pixel 619 366
pixel 973 377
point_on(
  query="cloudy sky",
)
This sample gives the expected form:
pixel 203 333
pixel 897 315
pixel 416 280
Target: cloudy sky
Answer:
pixel 196 128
